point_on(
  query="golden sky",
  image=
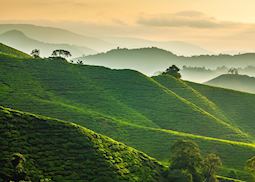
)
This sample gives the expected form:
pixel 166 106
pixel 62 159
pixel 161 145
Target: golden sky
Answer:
pixel 214 24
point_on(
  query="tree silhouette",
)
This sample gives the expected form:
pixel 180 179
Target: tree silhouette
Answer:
pixel 35 53
pixel 233 71
pixel 79 62
pixel 173 71
pixel 60 53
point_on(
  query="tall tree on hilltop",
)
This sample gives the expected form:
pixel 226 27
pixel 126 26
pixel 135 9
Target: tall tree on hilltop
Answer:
pixel 35 53
pixel 173 71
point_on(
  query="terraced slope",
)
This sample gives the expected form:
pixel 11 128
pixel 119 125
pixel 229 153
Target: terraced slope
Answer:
pixel 124 95
pixel 63 151
pixel 9 51
pixel 237 106
pixel 148 114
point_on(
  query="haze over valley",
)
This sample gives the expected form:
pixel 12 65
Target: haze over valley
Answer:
pixel 134 91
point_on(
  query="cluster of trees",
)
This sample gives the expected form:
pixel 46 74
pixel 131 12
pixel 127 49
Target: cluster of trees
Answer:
pixel 233 71
pixel 187 164
pixel 173 71
pixel 56 53
pixel 61 53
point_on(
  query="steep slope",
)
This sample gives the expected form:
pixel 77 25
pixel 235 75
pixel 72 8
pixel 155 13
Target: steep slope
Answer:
pixel 146 113
pixel 9 51
pixel 126 95
pixel 190 94
pixel 242 83
pixel 64 151
pixel 24 43
pixel 234 104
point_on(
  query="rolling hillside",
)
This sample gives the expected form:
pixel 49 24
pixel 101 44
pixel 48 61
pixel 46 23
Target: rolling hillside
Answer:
pixel 53 147
pixel 148 114
pixel 24 43
pixel 9 51
pixel 151 60
pixel 241 83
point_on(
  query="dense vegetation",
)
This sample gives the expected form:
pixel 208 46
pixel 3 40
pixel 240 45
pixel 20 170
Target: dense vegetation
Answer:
pixel 61 151
pixel 149 114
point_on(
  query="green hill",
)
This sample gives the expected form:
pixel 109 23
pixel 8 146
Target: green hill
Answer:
pixel 242 83
pixel 148 114
pixel 9 51
pixel 63 151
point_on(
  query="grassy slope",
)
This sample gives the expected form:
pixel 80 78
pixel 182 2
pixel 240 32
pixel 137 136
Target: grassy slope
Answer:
pixel 125 95
pixel 8 51
pixel 238 106
pixel 127 106
pixel 53 147
pixel 242 83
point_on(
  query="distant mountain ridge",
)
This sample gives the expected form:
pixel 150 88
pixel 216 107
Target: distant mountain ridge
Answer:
pixel 152 59
pixel 177 47
pixel 62 36
pixel 58 36
pixel 241 83
pixel 22 42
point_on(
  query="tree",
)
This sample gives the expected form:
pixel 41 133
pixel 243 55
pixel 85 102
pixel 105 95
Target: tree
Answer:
pixel 79 62
pixel 35 53
pixel 233 71
pixel 60 53
pixel 173 71
pixel 179 176
pixel 19 173
pixel 211 164
pixel 186 156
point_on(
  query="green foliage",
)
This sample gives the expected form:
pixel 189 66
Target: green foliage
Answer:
pixel 62 151
pixel 211 164
pixel 148 114
pixel 173 71
pixel 186 156
pixel 179 176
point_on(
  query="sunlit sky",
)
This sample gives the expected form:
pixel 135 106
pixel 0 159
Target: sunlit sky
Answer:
pixel 213 24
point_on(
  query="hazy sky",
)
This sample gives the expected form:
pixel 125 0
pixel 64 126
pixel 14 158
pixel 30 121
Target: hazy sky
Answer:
pixel 213 24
